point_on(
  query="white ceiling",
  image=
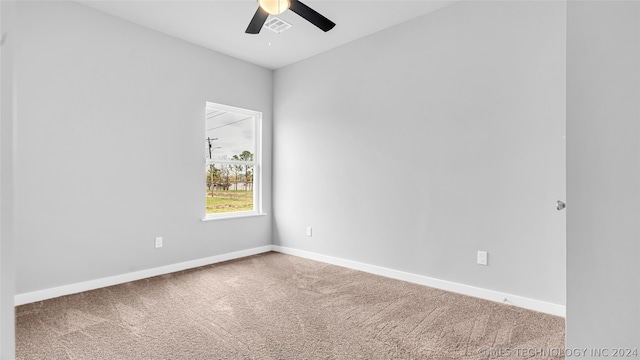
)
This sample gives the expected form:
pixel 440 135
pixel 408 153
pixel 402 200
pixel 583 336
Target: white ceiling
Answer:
pixel 220 25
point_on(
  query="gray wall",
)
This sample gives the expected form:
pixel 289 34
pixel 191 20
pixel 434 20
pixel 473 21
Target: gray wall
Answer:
pixel 603 174
pixel 110 146
pixel 7 280
pixel 465 108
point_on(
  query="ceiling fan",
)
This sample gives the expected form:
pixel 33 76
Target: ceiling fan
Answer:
pixel 275 7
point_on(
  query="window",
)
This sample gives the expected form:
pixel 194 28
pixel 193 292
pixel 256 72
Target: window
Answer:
pixel 232 150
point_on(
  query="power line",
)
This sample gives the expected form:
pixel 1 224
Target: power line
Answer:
pixel 216 114
pixel 231 123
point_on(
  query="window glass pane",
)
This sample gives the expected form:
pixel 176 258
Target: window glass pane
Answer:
pixel 232 160
pixel 229 188
pixel 230 135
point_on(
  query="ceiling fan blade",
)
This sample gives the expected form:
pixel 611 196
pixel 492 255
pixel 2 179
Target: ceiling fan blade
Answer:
pixel 311 15
pixel 257 22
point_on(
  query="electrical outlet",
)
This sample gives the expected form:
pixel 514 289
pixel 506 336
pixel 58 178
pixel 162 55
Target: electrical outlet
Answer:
pixel 158 242
pixel 309 231
pixel 483 258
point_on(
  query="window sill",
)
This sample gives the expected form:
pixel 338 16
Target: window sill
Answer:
pixel 237 215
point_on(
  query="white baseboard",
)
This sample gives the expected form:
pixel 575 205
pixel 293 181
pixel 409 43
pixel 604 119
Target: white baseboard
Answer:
pixel 523 302
pixel 519 301
pixel 30 297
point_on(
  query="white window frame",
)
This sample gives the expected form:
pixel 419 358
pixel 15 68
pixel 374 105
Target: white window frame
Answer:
pixel 256 163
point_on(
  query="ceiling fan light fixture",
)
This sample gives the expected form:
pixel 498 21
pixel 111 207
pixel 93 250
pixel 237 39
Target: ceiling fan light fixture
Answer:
pixel 274 7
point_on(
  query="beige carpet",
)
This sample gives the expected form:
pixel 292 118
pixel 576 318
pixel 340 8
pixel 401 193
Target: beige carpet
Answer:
pixel 275 306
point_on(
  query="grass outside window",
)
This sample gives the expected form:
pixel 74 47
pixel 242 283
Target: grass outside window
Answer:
pixel 224 201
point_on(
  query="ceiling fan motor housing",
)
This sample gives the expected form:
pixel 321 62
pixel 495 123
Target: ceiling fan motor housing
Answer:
pixel 274 7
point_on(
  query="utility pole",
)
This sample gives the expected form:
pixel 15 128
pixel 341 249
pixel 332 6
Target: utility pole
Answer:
pixel 209 140
pixel 211 166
